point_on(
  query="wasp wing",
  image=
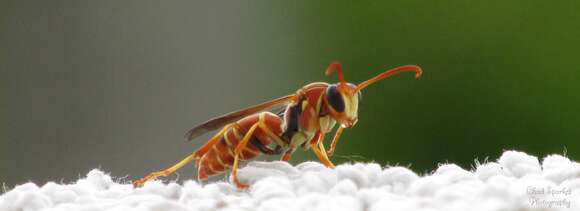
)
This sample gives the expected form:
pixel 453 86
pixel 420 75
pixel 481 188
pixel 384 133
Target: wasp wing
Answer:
pixel 220 121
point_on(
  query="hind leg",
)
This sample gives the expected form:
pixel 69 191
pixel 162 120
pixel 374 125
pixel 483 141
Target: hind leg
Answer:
pixel 194 156
pixel 164 173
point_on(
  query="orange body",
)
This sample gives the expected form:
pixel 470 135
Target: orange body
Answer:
pixel 310 113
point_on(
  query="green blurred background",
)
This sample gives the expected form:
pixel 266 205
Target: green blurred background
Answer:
pixel 114 84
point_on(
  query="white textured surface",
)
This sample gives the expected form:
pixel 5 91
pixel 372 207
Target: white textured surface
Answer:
pixel 517 181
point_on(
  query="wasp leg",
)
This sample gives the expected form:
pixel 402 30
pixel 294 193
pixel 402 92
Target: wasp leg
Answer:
pixel 237 153
pixel 266 129
pixel 194 156
pixel 321 152
pixel 287 155
pixel 335 140
pixel 322 149
pixel 164 173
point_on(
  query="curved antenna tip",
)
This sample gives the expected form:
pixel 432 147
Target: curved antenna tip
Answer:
pixel 419 72
pixel 405 68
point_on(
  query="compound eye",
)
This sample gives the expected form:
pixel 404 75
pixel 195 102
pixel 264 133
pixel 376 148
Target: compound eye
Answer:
pixel 334 98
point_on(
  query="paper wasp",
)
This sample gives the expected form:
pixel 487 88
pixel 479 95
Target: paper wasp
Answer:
pixel 310 113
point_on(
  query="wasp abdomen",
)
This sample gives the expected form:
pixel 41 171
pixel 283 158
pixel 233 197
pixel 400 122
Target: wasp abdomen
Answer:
pixel 221 156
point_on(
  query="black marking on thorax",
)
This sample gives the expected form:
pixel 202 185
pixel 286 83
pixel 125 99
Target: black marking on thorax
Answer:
pixel 291 117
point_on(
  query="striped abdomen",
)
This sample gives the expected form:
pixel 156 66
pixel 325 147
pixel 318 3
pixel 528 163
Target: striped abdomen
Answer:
pixel 221 156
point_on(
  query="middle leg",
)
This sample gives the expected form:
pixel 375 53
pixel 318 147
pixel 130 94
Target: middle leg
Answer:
pixel 239 148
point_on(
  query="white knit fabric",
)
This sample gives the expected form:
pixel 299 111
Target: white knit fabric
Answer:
pixel 517 181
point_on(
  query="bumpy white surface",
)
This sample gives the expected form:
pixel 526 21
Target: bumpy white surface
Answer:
pixel 517 181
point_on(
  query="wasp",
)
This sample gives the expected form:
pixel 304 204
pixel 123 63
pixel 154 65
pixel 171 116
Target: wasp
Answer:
pixel 310 113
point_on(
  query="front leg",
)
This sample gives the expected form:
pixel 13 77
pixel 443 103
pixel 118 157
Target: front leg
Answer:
pixel 319 150
pixel 194 156
pixel 335 140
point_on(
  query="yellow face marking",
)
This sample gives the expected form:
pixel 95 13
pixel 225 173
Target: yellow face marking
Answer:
pixel 350 106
